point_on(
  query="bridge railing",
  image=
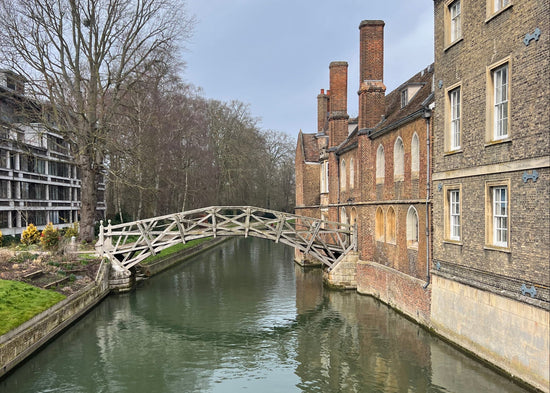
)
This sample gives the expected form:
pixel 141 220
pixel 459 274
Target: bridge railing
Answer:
pixel 130 243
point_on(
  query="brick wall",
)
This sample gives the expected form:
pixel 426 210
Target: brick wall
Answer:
pixel 396 289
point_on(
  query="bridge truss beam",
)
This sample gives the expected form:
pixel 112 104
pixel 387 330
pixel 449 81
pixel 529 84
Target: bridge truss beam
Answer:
pixel 129 243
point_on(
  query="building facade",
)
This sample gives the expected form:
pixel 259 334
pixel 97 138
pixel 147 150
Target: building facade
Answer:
pixel 39 181
pixel 491 209
pixel 373 172
pixel 447 180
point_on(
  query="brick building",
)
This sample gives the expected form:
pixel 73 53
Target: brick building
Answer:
pixel 491 161
pixel 373 172
pixel 447 179
pixel 39 181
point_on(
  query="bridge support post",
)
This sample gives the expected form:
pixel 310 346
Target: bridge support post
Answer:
pixel 304 259
pixel 344 274
pixel 120 279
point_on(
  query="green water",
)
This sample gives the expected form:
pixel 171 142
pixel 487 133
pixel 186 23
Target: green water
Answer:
pixel 244 318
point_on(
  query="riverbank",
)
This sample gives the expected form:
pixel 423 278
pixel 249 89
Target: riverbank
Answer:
pixel 22 341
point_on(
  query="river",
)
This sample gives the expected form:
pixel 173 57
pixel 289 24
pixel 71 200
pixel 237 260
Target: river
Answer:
pixel 243 317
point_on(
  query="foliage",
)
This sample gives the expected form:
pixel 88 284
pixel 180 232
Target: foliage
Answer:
pixel 31 235
pixel 19 302
pixel 71 231
pixel 10 240
pixel 49 239
pixel 86 57
pixel 23 257
pixel 182 151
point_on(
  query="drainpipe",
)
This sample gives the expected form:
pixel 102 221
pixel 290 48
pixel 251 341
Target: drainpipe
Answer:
pixel 427 115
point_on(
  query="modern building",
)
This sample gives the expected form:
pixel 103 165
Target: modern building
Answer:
pixel 491 180
pixel 39 181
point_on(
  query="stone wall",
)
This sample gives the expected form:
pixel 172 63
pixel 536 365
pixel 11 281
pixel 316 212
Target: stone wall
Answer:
pixel 21 342
pixel 510 334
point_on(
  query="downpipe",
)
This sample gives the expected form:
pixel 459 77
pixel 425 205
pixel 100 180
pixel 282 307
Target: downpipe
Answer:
pixel 427 116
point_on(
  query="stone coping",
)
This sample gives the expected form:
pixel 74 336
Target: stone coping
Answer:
pixel 22 341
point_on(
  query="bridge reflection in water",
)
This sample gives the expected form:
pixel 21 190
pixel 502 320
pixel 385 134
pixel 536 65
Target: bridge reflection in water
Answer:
pixel 244 317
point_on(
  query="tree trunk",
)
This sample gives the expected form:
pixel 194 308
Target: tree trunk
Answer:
pixel 88 197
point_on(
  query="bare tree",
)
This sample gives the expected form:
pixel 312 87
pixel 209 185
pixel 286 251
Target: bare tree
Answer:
pixel 82 57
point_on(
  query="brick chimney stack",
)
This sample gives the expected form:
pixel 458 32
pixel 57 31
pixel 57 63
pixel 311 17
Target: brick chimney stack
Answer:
pixel 372 91
pixel 322 112
pixel 338 115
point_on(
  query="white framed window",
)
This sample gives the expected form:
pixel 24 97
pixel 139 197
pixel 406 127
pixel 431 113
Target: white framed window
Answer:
pixel 500 4
pixel 398 159
pixel 454 102
pixel 500 91
pixel 412 228
pixel 343 175
pixel 497 214
pixel 415 156
pixel 495 7
pixel 455 21
pixel 454 214
pixel 498 101
pixel 404 98
pixel 380 164
pixel 500 216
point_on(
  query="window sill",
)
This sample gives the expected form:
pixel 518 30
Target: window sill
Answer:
pixel 413 247
pixel 449 46
pixel 452 152
pixel 453 242
pixel 494 15
pixel 489 247
pixel 497 142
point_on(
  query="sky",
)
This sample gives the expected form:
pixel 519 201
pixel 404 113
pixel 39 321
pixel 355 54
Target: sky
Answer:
pixel 274 54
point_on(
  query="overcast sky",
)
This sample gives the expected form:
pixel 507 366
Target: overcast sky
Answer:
pixel 274 54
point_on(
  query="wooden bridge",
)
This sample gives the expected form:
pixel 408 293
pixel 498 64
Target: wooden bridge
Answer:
pixel 130 243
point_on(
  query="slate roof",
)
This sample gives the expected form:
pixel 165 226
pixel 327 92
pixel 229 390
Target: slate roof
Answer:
pixel 310 147
pixel 394 115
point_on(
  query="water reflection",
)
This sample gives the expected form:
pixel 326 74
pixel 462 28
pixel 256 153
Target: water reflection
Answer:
pixel 243 316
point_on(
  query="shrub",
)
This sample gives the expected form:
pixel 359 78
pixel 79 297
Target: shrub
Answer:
pixel 0 238
pixel 31 235
pixel 50 237
pixel 71 231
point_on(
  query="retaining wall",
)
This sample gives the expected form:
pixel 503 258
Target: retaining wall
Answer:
pixel 156 267
pixel 21 342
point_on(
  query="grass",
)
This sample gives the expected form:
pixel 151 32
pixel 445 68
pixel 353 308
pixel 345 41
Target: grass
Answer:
pixel 173 249
pixel 19 302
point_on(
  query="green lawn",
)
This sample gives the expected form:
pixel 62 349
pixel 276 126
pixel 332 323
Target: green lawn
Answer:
pixel 173 249
pixel 19 302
